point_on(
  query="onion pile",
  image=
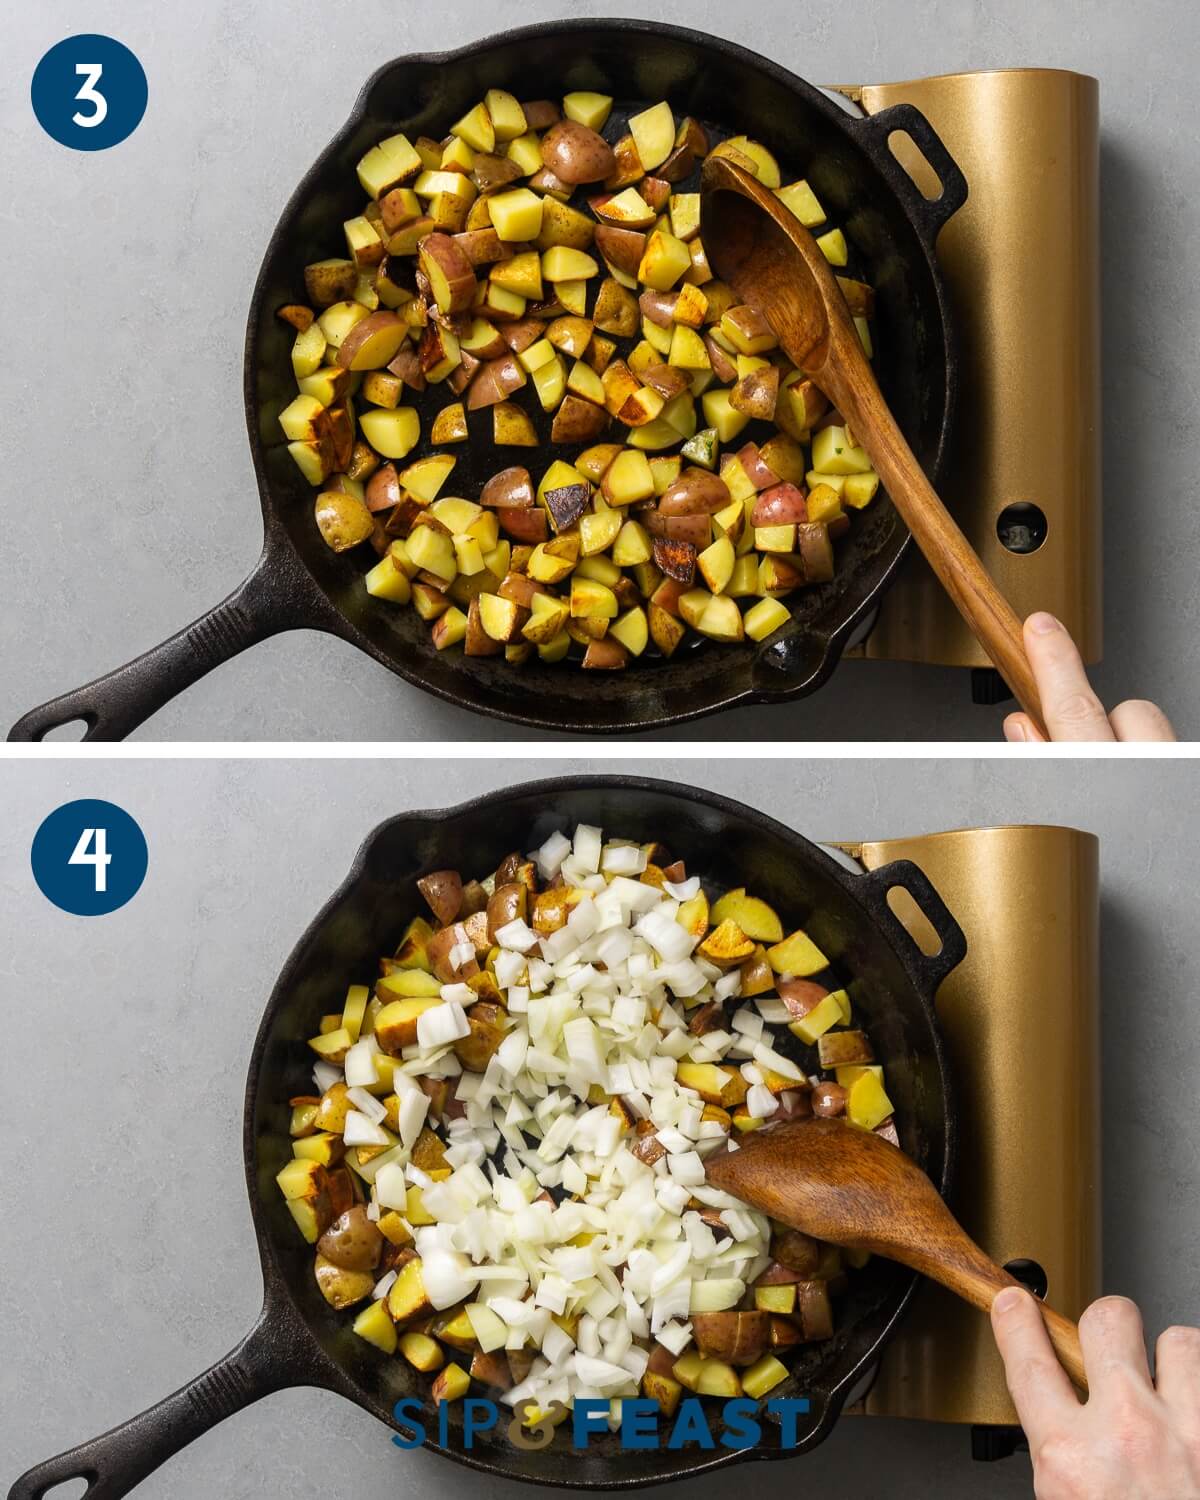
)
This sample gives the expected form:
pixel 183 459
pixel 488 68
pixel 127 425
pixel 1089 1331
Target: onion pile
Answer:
pixel 582 1045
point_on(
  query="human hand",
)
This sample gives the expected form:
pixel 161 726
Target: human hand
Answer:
pixel 1070 707
pixel 1136 1438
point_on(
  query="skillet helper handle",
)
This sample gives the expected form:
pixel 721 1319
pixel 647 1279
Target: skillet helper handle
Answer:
pixel 931 968
pixel 930 213
pixel 114 705
pixel 118 1461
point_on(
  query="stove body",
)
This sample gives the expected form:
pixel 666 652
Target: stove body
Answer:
pixel 1021 260
pixel 1020 1017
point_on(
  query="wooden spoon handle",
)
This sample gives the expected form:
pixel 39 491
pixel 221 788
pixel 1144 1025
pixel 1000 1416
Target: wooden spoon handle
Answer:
pixel 946 549
pixel 963 1268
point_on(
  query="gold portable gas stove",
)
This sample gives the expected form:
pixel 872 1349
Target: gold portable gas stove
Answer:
pixel 1020 1021
pixel 1021 261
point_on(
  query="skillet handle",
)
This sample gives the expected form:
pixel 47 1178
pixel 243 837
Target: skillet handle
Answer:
pixel 930 968
pixel 117 1462
pixel 276 596
pixel 931 213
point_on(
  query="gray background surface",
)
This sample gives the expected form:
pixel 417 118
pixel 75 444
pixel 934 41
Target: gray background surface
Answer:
pixel 131 501
pixel 128 1258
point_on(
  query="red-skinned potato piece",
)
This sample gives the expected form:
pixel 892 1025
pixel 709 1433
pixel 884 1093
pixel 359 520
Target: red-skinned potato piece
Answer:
pixel 605 655
pixel 659 307
pixel 383 488
pixel 443 890
pixel 440 946
pixel 622 248
pixel 449 270
pixel 697 492
pixel 381 331
pixel 816 550
pixel 666 380
pixel 723 366
pixel 782 505
pixel 540 114
pixel 495 381
pixel 509 489
pixel 737 1338
pixel 697 530
pixel 800 996
pixel 760 474
pixel 575 153
pixel 524 525
pixel 407 364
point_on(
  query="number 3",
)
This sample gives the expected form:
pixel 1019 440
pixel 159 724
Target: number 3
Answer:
pixel 90 72
pixel 99 858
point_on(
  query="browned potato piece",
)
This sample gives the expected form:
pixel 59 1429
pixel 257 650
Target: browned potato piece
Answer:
pixel 627 167
pixel 814 1311
pixel 512 428
pixel 816 551
pixel 796 1250
pixel 676 559
pixel 507 904
pixel 527 526
pixel 696 492
pixel 491 1369
pixel 295 313
pixel 510 488
pixel 577 421
pixel 616 309
pixel 372 342
pixel 440 946
pixel 662 1388
pixel 330 281
pixel 622 248
pixel 665 630
pixel 801 995
pixel 495 381
pixel 575 153
pixel 428 1152
pixel 408 1300
pixel 339 1287
pixel 450 272
pixel 605 655
pixel 841 1049
pixel 487 1023
pixel 352 1241
pixel 755 394
pixel 343 520
pixel 450 425
pixel 443 890
pixel 737 1338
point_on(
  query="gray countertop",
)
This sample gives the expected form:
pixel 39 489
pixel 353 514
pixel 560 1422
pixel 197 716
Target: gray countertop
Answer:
pixel 129 1256
pixel 130 493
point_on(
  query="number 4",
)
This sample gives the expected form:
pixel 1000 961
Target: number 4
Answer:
pixel 100 858
pixel 90 72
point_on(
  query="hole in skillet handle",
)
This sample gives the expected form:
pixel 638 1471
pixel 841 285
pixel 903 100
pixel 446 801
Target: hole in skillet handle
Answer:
pixel 901 137
pixel 934 944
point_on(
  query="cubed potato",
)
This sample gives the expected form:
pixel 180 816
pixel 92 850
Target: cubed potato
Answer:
pixel 797 955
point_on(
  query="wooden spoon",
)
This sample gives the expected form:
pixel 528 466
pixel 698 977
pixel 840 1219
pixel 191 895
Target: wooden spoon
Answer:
pixel 853 1188
pixel 756 244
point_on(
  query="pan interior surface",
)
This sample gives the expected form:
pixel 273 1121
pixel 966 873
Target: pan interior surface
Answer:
pixel 726 846
pixel 732 92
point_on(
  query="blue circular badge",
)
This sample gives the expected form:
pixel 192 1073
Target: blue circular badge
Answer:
pixel 89 857
pixel 89 92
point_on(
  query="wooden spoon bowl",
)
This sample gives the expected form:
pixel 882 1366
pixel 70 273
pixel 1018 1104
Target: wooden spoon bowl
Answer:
pixel 852 1188
pixel 756 244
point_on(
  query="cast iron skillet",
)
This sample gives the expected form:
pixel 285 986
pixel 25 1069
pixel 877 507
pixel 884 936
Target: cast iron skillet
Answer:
pixel 299 1340
pixel 299 583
